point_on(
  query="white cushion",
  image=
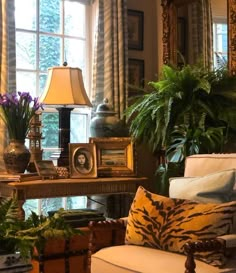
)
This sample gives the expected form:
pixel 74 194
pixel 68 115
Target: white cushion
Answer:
pixel 203 164
pixel 213 188
pixel 130 258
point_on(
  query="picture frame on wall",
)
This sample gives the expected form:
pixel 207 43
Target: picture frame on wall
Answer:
pixel 181 35
pixel 115 156
pixel 135 77
pixel 135 29
pixel 83 162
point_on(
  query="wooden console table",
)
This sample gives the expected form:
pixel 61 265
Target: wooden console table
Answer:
pixel 69 187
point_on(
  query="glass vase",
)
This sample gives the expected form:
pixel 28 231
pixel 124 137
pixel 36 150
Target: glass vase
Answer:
pixel 16 156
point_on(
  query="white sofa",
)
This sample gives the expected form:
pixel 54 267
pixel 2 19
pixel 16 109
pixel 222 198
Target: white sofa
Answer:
pixel 108 253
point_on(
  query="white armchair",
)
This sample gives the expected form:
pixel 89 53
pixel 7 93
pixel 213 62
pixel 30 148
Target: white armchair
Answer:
pixel 109 253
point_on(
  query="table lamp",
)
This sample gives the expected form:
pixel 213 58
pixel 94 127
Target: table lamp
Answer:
pixel 64 91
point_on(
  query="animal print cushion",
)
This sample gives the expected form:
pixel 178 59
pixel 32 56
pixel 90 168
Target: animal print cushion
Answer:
pixel 165 223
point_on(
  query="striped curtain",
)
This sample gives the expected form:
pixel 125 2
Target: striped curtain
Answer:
pixel 7 59
pixel 200 19
pixel 110 71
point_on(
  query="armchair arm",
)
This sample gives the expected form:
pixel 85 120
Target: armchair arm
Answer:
pixel 104 234
pixel 201 246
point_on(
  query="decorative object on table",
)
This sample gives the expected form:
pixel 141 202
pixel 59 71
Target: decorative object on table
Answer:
pixel 16 111
pixel 115 156
pixel 35 136
pixel 83 163
pixel 64 91
pixel 106 123
pixel 62 172
pixel 46 169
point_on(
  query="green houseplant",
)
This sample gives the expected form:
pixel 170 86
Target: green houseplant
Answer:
pixel 18 235
pixel 189 110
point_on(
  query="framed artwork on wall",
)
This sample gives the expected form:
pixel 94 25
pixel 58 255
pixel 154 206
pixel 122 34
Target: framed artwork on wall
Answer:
pixel 136 77
pixel 83 162
pixel 135 29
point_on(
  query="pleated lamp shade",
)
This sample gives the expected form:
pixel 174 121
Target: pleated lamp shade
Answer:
pixel 65 87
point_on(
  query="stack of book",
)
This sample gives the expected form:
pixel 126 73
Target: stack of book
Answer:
pixel 21 177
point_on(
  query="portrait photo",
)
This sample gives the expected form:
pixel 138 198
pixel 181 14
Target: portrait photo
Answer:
pixel 82 160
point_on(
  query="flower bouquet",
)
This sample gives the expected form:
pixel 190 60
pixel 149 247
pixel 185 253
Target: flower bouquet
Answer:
pixel 16 111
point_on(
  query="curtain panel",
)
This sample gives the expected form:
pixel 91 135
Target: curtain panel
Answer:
pixel 200 16
pixel 110 58
pixel 7 60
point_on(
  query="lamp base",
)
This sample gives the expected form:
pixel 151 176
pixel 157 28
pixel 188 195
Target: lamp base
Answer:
pixel 64 136
pixel 63 161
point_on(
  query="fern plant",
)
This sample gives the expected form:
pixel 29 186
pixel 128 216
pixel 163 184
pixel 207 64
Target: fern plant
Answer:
pixel 189 110
pixel 25 235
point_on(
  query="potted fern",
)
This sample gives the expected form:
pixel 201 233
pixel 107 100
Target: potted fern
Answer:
pixel 189 110
pixel 28 236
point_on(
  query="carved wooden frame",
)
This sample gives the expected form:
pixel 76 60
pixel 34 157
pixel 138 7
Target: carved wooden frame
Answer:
pixel 232 36
pixel 168 17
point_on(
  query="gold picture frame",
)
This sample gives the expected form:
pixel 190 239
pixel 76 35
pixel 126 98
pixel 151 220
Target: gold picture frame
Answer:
pixel 115 156
pixel 87 153
pixel 46 169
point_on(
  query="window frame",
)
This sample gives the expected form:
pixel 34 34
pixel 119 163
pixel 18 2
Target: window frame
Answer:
pixel 86 73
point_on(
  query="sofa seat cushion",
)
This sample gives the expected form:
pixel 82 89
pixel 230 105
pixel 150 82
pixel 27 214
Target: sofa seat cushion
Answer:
pixel 130 258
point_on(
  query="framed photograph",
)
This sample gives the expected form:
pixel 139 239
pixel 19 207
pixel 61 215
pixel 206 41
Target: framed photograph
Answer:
pixel 136 77
pixel 46 169
pixel 115 156
pixel 181 35
pixel 135 29
pixel 82 160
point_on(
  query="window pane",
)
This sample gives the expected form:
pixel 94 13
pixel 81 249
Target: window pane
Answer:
pixel 51 204
pixel 30 205
pixel 50 129
pixel 75 53
pixel 220 42
pixel 25 50
pixel 25 7
pixel 78 202
pixel 74 19
pixel 49 52
pixel 26 82
pixel 79 125
pixel 42 82
pixel 50 16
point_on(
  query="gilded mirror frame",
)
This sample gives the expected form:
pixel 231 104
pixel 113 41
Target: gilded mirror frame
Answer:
pixel 169 39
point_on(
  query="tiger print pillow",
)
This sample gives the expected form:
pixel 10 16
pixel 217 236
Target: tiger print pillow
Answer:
pixel 165 223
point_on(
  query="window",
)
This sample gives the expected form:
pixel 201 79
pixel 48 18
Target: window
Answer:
pixel 220 42
pixel 49 32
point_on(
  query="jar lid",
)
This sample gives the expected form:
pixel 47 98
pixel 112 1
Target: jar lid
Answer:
pixel 104 108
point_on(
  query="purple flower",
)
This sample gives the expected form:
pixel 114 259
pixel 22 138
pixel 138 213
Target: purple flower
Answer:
pixel 17 110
